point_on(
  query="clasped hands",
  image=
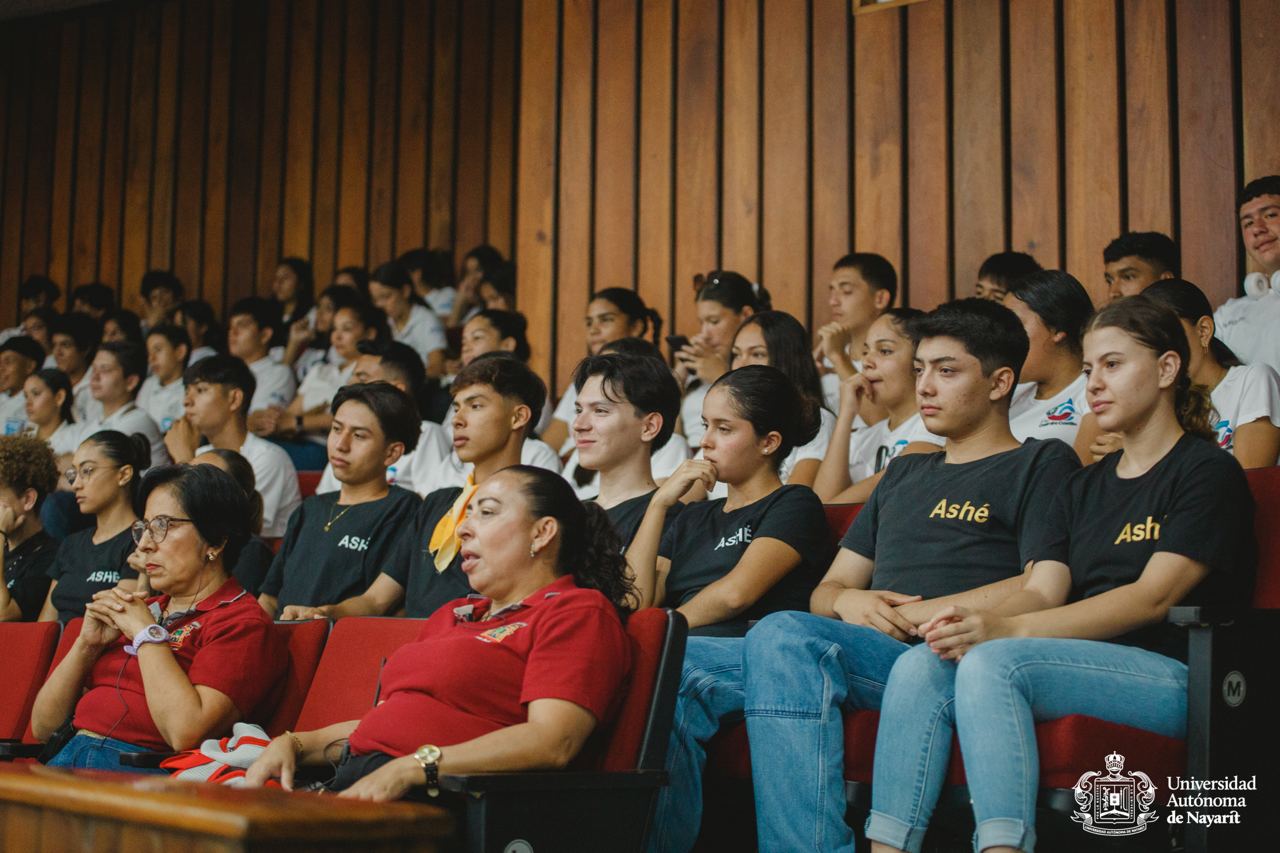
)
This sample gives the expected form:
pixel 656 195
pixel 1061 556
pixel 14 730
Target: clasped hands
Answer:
pixel 950 633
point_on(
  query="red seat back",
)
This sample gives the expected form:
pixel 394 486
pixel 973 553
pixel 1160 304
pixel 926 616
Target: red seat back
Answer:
pixel 70 632
pixel 28 647
pixel 638 738
pixel 304 641
pixel 839 517
pixel 1265 485
pixel 347 677
pixel 308 481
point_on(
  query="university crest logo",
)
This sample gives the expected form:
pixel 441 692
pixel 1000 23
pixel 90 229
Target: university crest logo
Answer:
pixel 1114 803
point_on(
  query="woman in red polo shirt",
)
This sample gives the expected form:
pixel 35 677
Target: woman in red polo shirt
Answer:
pixel 167 672
pixel 514 679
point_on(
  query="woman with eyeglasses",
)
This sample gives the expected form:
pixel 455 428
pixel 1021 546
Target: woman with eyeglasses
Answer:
pixel 104 479
pixel 166 672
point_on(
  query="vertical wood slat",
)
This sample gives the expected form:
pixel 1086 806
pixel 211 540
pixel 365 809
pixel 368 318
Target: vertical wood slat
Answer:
pixel 979 180
pixel 1148 137
pixel 42 116
pixel 697 134
pixel 536 189
pixel 785 219
pixel 654 249
pixel 928 232
pixel 415 102
pixel 573 221
pixel 17 79
pixel 299 142
pixel 192 113
pixel 246 129
pixel 1092 155
pixel 382 163
pixel 328 136
pixel 139 160
pixel 113 152
pixel 1259 89
pixel 213 273
pixel 1033 133
pixel 877 136
pixel 440 189
pixel 615 156
pixel 473 126
pixel 86 219
pixel 1206 146
pixel 503 95
pixel 832 147
pixel 64 157
pixel 353 185
pixel 166 133
pixel 271 162
pixel 740 155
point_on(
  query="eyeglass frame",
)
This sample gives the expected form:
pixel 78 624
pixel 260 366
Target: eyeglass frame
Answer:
pixel 72 474
pixel 142 527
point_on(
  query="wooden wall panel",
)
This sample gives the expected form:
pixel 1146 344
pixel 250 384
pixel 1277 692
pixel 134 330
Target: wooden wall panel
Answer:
pixel 193 111
pixel 382 164
pixel 440 197
pixel 245 149
pixel 166 135
pixel 473 127
pixel 64 153
pixel 212 280
pixel 300 128
pixel 654 246
pixel 1034 154
pixel 415 102
pixel 503 108
pixel 142 136
pixel 1259 90
pixel 17 104
pixel 740 244
pixel 86 216
pixel 928 231
pixel 1149 139
pixel 115 134
pixel 271 145
pixel 877 135
pixel 614 225
pixel 832 204
pixel 324 213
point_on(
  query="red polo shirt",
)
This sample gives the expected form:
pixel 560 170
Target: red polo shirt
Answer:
pixel 466 675
pixel 226 643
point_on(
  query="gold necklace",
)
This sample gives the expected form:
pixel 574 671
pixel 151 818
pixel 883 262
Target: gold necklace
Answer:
pixel 332 521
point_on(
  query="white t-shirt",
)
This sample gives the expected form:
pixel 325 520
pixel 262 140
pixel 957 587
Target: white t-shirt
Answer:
pixel 815 449
pixel 1247 393
pixel 1057 417
pixel 665 460
pixel 162 402
pixel 564 412
pixel 441 300
pixel 13 413
pixel 691 416
pixel 275 479
pixel 322 383
pixel 874 447
pixel 423 331
pixel 86 408
pixel 199 353
pixel 129 419
pixel 66 438
pixel 1247 324
pixel 452 471
pixel 429 457
pixel 276 385
pixel 309 358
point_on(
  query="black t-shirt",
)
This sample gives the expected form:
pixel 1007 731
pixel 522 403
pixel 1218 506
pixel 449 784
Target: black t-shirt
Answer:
pixel 26 573
pixel 316 566
pixel 627 515
pixel 704 543
pixel 936 529
pixel 425 589
pixel 252 566
pixel 82 568
pixel 1194 502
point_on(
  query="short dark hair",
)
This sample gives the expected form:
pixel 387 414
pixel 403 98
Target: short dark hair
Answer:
pixel 131 358
pixel 1266 185
pixel 508 324
pixel 1155 248
pixel 510 377
pixel 360 274
pixel 502 278
pixel 265 312
pixel 83 330
pixel 96 295
pixel 370 317
pixel 874 269
pixel 1004 268
pixel 162 280
pixel 629 303
pixel 343 297
pixel 39 287
pixel 732 290
pixel 130 324
pixel 25 347
pixel 401 360
pixel 988 331
pixel 395 410
pixel 1059 300
pixel 771 402
pixel 632 346
pixel 646 383
pixel 175 335
pixel 201 313
pixel 392 274
pixel 225 370
pixel 1189 303
pixel 211 498
pixel 486 256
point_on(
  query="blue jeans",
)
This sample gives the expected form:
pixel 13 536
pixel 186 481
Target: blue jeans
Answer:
pixel 994 698
pixel 83 752
pixel 710 694
pixel 802 672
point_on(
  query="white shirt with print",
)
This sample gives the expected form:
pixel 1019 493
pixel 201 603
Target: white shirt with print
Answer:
pixel 1057 417
pixel 276 385
pixel 1248 392
pixel 162 402
pixel 423 331
pixel 872 448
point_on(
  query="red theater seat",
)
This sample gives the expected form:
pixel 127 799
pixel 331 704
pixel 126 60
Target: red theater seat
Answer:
pixel 28 649
pixel 839 517
pixel 305 643
pixel 1265 485
pixel 308 481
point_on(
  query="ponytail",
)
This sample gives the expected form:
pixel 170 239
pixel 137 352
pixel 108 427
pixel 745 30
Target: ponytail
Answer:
pixel 1194 408
pixel 630 304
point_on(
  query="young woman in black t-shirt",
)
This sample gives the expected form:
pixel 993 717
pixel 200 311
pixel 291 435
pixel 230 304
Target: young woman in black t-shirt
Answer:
pixel 1166 521
pixel 107 468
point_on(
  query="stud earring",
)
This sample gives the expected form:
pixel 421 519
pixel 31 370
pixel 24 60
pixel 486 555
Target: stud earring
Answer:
pixel 533 552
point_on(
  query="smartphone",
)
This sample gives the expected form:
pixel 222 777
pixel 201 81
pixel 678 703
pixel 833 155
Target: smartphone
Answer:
pixel 675 343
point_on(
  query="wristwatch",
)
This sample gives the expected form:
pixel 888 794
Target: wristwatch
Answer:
pixel 153 633
pixel 428 758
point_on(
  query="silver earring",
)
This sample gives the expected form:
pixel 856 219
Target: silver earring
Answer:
pixel 208 558
pixel 533 552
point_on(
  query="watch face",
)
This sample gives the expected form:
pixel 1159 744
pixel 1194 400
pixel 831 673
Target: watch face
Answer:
pixel 156 633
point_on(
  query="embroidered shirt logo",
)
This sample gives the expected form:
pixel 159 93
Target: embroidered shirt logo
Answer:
pixel 965 512
pixel 497 635
pixel 1064 413
pixel 179 636
pixel 742 537
pixel 1139 531
pixel 354 543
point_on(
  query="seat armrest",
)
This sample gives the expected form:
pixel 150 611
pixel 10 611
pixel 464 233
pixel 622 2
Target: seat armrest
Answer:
pixel 553 780
pixel 1194 615
pixel 146 760
pixel 11 749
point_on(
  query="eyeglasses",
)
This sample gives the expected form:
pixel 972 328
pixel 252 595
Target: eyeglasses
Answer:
pixel 158 527
pixel 86 471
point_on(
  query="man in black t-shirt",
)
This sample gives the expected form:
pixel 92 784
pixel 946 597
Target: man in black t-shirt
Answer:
pixel 27 475
pixel 626 409
pixel 496 400
pixel 337 543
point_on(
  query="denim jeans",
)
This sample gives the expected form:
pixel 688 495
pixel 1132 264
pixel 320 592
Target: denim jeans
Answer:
pixel 802 672
pixel 993 698
pixel 84 752
pixel 710 694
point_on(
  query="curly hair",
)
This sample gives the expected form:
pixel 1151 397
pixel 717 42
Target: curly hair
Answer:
pixel 28 463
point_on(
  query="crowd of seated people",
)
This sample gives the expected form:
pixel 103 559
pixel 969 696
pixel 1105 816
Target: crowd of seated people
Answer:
pixel 1043 478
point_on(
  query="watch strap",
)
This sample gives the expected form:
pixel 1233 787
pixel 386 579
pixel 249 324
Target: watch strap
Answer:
pixel 153 633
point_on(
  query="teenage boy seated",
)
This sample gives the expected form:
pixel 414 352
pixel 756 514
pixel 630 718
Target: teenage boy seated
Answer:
pixel 96 299
pixel 863 286
pixel 1134 261
pixel 951 528
pixel 252 323
pixel 20 356
pixel 162 292
pixel 400 365
pixel 162 392
pixel 626 408
pixel 1001 270
pixel 75 338
pixel 338 544
pixel 1247 323
pixel 218 389
pixel 496 399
